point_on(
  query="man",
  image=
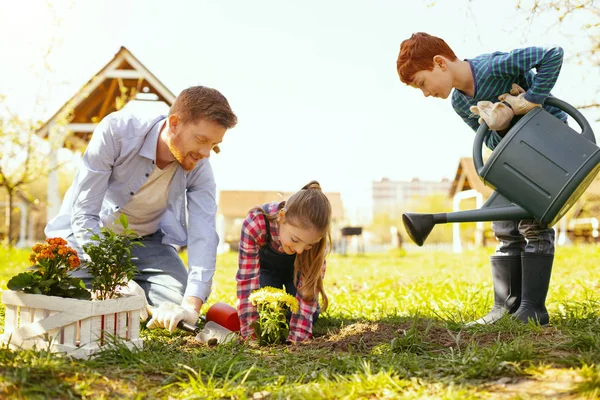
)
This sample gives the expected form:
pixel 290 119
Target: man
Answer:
pixel 149 169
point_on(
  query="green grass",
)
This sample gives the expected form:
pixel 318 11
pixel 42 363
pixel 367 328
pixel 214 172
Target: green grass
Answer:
pixel 394 329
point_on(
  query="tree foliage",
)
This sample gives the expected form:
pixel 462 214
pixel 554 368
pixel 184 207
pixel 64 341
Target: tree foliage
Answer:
pixel 22 160
pixel 583 12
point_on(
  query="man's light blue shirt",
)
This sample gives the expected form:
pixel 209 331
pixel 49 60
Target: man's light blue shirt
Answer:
pixel 117 162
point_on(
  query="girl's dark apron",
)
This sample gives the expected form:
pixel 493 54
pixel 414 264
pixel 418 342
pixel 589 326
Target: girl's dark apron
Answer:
pixel 276 269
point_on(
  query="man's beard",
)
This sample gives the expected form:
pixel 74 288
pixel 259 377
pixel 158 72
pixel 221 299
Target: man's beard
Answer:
pixel 180 157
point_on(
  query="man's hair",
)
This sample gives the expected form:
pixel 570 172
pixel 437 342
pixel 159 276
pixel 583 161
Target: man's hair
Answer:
pixel 417 52
pixel 200 102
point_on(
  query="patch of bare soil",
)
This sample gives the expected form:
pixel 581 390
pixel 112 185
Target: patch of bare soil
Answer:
pixel 361 336
pixel 364 336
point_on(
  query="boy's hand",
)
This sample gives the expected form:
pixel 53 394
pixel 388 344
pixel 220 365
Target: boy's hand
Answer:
pixel 516 99
pixel 497 116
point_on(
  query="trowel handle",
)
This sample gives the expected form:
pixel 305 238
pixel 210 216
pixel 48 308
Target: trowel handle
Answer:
pixel 586 129
pixel 186 326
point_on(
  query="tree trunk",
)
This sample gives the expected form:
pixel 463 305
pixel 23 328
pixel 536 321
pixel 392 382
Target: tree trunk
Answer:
pixel 8 218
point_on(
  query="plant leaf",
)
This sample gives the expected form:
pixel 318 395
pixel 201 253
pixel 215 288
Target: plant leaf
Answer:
pixel 20 281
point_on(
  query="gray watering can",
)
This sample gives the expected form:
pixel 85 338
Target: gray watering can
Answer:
pixel 538 170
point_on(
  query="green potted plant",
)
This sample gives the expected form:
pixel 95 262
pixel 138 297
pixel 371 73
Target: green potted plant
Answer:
pixel 109 261
pixel 47 308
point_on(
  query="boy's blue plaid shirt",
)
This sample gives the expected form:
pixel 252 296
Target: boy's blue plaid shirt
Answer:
pixel 495 73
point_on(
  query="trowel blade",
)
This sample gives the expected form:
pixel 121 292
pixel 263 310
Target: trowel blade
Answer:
pixel 213 334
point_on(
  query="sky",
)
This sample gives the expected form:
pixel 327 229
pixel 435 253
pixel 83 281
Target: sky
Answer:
pixel 313 83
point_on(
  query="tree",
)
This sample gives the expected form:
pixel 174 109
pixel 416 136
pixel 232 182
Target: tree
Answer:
pixel 23 155
pixel 584 12
pixel 21 161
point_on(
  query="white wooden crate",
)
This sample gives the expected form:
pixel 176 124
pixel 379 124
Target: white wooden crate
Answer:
pixel 79 328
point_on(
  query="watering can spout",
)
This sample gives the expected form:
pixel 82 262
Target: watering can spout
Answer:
pixel 496 208
pixel 419 226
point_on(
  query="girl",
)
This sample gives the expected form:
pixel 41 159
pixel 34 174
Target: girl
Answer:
pixel 283 244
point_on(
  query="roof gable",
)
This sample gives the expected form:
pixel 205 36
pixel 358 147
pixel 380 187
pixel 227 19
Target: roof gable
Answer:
pixel 467 178
pixel 122 79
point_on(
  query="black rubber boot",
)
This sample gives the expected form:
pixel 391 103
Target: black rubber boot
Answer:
pixel 537 269
pixel 506 277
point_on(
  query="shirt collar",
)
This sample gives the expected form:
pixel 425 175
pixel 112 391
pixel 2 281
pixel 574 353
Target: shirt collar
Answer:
pixel 148 149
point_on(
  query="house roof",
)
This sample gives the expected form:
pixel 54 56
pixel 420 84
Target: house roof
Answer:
pixel 466 178
pixel 237 203
pixel 122 79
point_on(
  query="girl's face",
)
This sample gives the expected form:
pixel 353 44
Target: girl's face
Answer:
pixel 294 239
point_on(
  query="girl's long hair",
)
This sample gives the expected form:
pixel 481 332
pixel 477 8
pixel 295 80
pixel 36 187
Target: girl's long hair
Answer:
pixel 310 209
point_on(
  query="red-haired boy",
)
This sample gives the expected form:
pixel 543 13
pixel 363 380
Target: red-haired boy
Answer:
pixel 494 88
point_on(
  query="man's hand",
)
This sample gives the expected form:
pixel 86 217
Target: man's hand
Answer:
pixel 168 315
pixel 497 116
pixel 192 303
pixel 516 99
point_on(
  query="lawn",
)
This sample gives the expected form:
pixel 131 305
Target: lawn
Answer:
pixel 394 329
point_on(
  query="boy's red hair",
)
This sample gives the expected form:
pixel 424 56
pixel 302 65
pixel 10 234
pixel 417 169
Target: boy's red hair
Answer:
pixel 416 54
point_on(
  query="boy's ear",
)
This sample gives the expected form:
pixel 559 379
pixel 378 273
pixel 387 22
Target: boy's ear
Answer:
pixel 440 61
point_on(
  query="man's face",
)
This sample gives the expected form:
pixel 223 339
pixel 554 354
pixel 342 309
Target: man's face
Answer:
pixel 192 141
pixel 436 83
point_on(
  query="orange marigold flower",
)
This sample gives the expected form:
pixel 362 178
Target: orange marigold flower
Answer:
pixel 74 261
pixel 37 247
pixel 56 241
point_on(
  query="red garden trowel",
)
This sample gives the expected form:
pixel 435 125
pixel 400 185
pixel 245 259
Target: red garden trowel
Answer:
pixel 221 324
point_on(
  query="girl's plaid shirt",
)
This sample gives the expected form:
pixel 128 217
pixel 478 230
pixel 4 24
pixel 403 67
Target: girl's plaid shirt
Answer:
pixel 252 238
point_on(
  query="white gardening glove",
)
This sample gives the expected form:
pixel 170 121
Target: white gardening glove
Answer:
pixel 516 99
pixel 497 116
pixel 133 288
pixel 168 315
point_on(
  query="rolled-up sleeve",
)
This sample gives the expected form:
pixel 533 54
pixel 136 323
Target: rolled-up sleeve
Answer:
pixel 91 182
pixel 203 238
pixel 546 61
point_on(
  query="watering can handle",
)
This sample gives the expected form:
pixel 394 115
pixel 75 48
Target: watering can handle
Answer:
pixel 483 132
pixel 586 129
